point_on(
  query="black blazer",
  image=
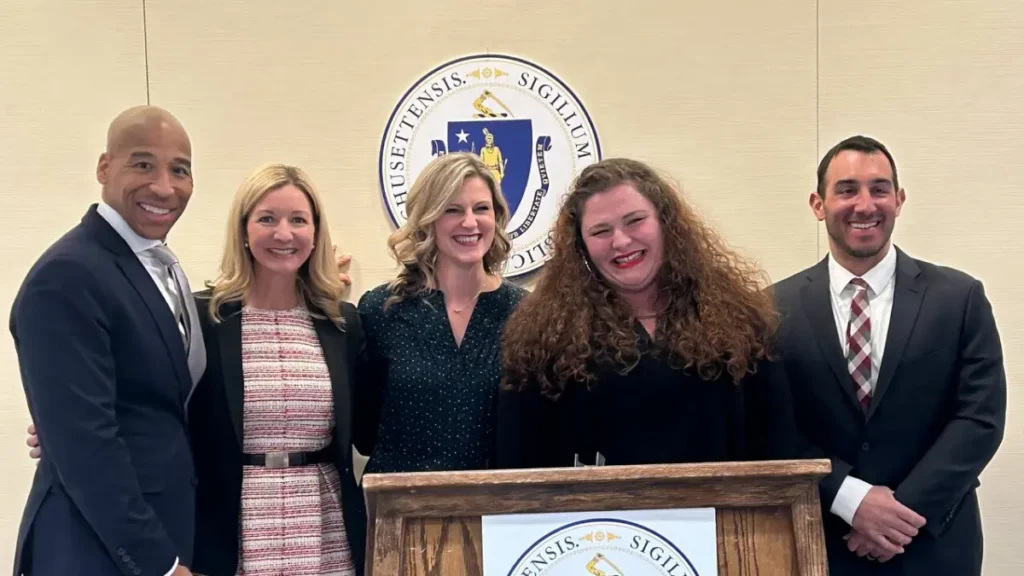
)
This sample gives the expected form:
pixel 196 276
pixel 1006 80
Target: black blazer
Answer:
pixel 936 418
pixel 106 378
pixel 215 420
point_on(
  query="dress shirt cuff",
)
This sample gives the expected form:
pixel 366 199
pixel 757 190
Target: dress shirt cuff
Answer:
pixel 173 568
pixel 848 498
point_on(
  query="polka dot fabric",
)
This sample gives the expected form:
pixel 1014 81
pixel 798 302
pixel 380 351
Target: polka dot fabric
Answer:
pixel 438 398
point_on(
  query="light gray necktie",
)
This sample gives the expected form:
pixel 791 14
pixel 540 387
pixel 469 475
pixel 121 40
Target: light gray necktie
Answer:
pixel 185 311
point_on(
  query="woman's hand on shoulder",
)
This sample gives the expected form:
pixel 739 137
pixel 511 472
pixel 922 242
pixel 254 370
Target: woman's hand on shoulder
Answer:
pixel 343 262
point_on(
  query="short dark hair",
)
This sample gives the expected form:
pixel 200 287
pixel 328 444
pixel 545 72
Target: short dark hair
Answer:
pixel 864 144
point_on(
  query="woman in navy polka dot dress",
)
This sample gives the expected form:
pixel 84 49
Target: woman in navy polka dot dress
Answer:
pixel 433 334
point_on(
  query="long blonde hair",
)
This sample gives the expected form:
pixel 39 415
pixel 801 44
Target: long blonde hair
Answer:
pixel 318 280
pixel 414 245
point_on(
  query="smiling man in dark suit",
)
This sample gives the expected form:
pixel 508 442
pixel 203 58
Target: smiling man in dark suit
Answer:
pixel 109 348
pixel 898 378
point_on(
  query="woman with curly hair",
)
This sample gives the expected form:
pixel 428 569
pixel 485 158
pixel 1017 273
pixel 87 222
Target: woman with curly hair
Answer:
pixel 433 333
pixel 646 339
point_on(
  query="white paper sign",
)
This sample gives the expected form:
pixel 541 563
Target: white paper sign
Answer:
pixel 633 543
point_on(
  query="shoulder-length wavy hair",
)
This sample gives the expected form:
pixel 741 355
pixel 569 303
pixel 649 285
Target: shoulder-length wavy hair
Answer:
pixel 318 280
pixel 719 317
pixel 414 245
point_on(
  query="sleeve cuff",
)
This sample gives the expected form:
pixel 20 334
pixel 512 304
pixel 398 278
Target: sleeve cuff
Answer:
pixel 173 568
pixel 848 498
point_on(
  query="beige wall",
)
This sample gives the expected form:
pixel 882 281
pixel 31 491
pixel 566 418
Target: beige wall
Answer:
pixel 737 99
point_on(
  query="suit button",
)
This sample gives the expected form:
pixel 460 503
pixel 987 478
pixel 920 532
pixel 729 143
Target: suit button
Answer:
pixel 127 559
pixel 865 446
pixel 120 551
pixel 136 572
pixel 131 565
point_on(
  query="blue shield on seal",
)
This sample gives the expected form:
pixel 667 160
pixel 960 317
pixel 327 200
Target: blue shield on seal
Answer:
pixel 505 145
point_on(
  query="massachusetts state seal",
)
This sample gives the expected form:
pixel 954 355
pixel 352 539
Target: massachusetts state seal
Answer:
pixel 526 125
pixel 603 547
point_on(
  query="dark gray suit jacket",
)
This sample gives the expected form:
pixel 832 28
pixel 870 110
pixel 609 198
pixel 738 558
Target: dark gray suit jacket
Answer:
pixel 936 418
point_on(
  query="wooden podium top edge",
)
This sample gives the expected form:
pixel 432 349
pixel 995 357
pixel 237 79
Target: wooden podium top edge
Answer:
pixel 794 470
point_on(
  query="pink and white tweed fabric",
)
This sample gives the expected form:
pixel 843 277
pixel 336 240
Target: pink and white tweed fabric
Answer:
pixel 291 518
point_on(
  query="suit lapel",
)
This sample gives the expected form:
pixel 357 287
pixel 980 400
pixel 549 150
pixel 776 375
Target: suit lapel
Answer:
pixel 162 317
pixel 147 290
pixel 906 303
pixel 817 295
pixel 229 346
pixel 334 345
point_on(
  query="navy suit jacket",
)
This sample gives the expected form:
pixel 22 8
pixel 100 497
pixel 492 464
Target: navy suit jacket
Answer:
pixel 106 379
pixel 935 421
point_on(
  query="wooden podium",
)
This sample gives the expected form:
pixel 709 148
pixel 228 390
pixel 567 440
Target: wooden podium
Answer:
pixel 767 513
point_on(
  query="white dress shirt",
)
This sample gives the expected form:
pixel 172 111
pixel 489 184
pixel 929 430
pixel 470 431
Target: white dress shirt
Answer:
pixel 157 271
pixel 881 281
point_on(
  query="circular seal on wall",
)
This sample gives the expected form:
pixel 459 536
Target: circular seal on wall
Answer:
pixel 603 547
pixel 527 126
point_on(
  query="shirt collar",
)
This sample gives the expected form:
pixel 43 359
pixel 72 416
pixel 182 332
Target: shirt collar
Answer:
pixel 135 242
pixel 876 278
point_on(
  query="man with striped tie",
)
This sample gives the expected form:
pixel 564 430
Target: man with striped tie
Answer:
pixel 897 375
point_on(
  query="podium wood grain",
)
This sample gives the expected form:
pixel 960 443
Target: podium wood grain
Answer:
pixel 767 514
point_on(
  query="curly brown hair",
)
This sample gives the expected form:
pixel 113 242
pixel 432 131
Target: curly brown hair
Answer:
pixel 720 314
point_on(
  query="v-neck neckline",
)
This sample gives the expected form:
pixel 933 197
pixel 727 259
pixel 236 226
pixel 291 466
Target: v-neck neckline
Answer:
pixel 470 323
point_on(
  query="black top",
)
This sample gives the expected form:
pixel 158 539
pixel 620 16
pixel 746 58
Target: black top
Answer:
pixel 654 414
pixel 435 400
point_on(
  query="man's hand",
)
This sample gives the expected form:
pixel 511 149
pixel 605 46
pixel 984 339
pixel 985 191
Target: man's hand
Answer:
pixel 860 545
pixel 887 524
pixel 33 443
pixel 181 571
pixel 343 261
